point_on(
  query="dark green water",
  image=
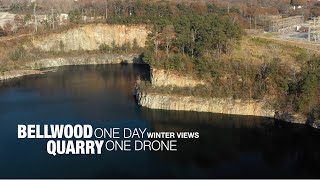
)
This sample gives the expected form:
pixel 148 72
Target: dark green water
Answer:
pixel 229 146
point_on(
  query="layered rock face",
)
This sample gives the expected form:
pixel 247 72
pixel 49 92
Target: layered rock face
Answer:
pixel 161 78
pixel 85 60
pixel 90 37
pixel 214 105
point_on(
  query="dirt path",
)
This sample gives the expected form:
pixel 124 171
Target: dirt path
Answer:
pixel 305 45
pixel 2 39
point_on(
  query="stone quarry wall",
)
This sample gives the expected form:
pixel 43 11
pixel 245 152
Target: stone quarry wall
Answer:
pixel 197 104
pixel 162 78
pixel 167 101
pixel 85 60
pixel 90 37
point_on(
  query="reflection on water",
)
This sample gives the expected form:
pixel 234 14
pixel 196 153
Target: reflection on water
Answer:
pixel 229 146
pixel 84 80
pixel 241 146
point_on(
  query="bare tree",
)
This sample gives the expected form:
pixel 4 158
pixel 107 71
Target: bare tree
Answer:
pixel 168 35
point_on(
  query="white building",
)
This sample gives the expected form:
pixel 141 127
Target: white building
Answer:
pixel 297 7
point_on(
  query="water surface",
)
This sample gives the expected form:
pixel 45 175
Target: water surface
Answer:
pixel 229 146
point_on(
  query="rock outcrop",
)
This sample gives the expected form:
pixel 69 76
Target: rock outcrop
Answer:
pixel 291 117
pixel 90 37
pixel 213 105
pixel 17 73
pixel 315 124
pixel 161 78
pixel 85 60
pixel 167 101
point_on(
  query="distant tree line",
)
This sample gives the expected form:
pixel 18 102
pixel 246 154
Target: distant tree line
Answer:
pixel 181 34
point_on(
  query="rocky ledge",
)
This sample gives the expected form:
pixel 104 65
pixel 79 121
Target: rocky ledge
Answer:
pixel 86 60
pixel 18 73
pixel 219 105
pixel 167 101
pixel 198 104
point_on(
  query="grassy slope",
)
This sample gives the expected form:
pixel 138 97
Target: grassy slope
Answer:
pixel 258 50
pixel 255 52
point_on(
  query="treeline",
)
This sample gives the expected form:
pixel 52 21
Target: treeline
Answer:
pixel 244 11
pixel 184 38
pixel 191 41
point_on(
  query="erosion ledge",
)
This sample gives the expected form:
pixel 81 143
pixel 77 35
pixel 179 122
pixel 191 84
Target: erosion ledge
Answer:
pixel 167 101
pixel 86 60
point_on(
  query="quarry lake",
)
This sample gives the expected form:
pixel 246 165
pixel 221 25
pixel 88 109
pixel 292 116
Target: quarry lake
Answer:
pixel 102 96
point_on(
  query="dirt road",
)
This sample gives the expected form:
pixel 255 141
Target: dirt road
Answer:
pixel 309 46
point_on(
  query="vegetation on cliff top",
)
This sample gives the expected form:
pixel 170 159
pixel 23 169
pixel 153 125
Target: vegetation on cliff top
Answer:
pixel 209 45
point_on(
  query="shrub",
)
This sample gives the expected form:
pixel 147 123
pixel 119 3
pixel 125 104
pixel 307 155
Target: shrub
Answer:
pixel 104 48
pixel 18 54
pixel 135 45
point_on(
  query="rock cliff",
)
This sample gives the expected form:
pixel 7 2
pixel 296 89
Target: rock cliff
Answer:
pixel 161 78
pixel 214 105
pixel 169 101
pixel 85 60
pixel 90 37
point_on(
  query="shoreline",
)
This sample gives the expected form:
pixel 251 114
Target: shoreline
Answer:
pixel 165 101
pixel 8 75
pixel 33 68
pixel 229 106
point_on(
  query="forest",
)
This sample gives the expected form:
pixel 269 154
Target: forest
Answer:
pixel 201 44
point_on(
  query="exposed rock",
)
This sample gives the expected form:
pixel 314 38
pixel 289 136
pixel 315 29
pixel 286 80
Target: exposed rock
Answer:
pixel 214 105
pixel 315 124
pixel 85 60
pixel 17 73
pixel 161 77
pixel 90 37
pixel 291 117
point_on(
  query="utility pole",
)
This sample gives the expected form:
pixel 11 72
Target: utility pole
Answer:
pixel 35 17
pixel 52 16
pixel 228 7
